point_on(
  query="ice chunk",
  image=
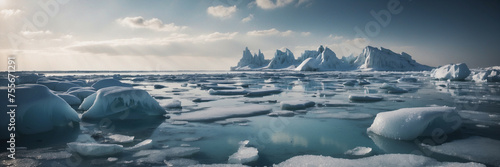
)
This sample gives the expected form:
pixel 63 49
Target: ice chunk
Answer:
pixel 82 93
pixel 70 99
pixel 117 138
pixel 173 104
pixel 88 102
pixel 282 59
pixel 454 72
pixel 111 101
pixel 474 148
pixel 228 92
pixel 204 99
pixel 38 110
pixel 282 113
pixel 487 75
pixel 392 88
pixel 296 104
pixel 263 92
pixel 359 151
pixel 232 121
pixel 378 160
pixel 95 149
pixel 244 154
pixel 365 98
pixel 109 82
pixel 382 59
pixel 181 162
pixel 409 123
pixel 217 87
pixel 213 114
pixel 179 122
pixel 146 144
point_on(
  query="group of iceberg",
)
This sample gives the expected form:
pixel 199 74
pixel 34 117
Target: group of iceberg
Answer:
pixel 324 59
pixel 490 74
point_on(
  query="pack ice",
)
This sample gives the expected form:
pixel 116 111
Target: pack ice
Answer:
pixel 38 110
pixel 220 113
pixel 244 154
pixel 409 123
pixel 113 102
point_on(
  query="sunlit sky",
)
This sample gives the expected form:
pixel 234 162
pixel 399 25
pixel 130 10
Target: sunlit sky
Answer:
pixel 211 34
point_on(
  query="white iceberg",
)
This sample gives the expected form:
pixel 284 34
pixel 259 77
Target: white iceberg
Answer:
pixel 282 60
pixel 109 102
pixel 382 59
pixel 487 75
pixel 454 72
pixel 81 93
pixel 173 104
pixel 326 60
pixel 296 104
pixel 244 154
pixel 401 160
pixel 220 113
pixel 474 148
pixel 38 110
pixel 95 149
pixel 249 62
pixel 109 82
pixel 410 123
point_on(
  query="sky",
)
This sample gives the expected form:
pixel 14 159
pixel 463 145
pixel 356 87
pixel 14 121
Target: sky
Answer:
pixel 211 34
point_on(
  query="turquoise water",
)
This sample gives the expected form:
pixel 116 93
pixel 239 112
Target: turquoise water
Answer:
pixel 276 138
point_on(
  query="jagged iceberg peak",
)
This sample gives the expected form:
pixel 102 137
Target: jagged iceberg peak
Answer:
pixel 373 58
pixel 326 60
pixel 249 62
pixel 282 59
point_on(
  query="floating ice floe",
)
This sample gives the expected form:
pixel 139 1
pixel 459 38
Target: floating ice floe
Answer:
pixel 232 121
pixel 146 144
pixel 108 83
pixel 81 92
pixel 38 110
pixel 407 79
pixel 282 113
pixel 220 113
pixel 410 123
pixel 173 104
pixel 365 98
pixel 401 160
pixel 112 102
pixel 392 88
pixel 117 138
pixel 95 149
pixel 204 99
pixel 228 92
pixel 263 92
pixel 296 104
pixel 475 148
pixel 454 72
pixel 359 151
pixel 244 154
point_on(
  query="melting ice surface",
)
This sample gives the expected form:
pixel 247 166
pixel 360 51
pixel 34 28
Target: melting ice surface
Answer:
pixel 285 119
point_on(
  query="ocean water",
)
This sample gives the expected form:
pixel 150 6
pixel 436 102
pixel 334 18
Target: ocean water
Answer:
pixel 330 128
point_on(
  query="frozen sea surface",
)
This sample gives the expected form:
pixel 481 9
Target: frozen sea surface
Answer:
pixel 287 119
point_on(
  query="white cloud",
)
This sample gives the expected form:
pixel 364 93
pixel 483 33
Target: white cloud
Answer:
pixel 36 34
pixel 270 4
pixel 221 11
pixel 10 12
pixel 153 24
pixel 270 32
pixel 305 34
pixel 247 19
pixel 216 36
pixel 334 37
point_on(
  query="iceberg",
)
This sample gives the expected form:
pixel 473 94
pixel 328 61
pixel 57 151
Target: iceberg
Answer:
pixel 103 83
pixel 244 154
pixel 378 160
pixel 112 102
pixel 487 75
pixel 410 123
pixel 454 72
pixel 173 104
pixel 249 62
pixel 382 59
pixel 81 92
pixel 282 60
pixel 475 148
pixel 38 110
pixel 326 61
pixel 220 113
pixel 70 99
pixel 95 149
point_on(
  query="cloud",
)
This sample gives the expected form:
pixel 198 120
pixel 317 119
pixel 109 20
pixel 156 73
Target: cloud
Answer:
pixel 270 4
pixel 269 32
pixel 152 24
pixel 10 12
pixel 247 19
pixel 221 11
pixel 36 34
pixel 217 36
pixel 334 37
pixel 305 34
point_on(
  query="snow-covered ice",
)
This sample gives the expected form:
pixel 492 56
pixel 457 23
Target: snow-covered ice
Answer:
pixel 281 113
pixel 487 75
pixel 114 100
pixel 359 151
pixel 296 104
pixel 244 154
pixel 410 123
pixel 143 145
pixel 69 98
pixel 475 148
pixel 120 139
pixel 454 72
pixel 219 113
pixel 109 82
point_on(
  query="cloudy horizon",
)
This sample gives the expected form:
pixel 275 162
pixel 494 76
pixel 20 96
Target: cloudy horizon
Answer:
pixel 211 35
